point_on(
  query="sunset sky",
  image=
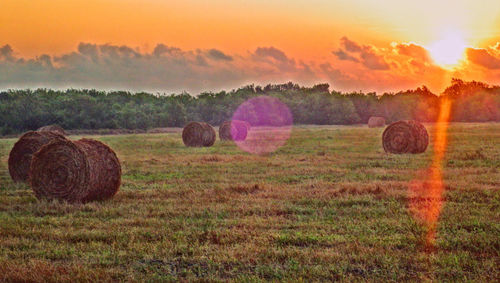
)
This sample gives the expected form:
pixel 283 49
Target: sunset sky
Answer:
pixel 194 45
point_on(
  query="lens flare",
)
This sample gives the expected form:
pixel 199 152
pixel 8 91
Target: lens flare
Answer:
pixel 271 124
pixel 426 195
pixel 449 50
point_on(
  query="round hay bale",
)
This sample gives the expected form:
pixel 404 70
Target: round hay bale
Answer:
pixel 209 135
pixel 60 170
pixel 105 170
pixel 234 130
pixel 198 134
pixel 52 128
pixel 422 140
pixel 398 138
pixel 376 122
pixel 405 137
pixel 23 150
pixel 225 131
pixel 80 171
pixel 243 129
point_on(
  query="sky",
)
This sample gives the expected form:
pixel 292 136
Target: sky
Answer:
pixel 194 45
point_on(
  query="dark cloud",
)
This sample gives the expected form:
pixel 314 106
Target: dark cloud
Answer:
pixel 271 52
pixel 275 60
pixel 350 45
pixel 45 60
pixel 6 52
pixel 219 55
pixel 342 55
pixel 166 68
pixel 161 49
pixel 483 58
pixel 88 49
pixel 118 51
pixel 367 54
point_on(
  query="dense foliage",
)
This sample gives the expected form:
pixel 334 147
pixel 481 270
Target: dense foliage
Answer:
pixel 22 110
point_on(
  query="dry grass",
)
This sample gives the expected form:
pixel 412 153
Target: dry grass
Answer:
pixel 329 205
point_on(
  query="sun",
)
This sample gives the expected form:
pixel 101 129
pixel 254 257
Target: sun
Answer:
pixel 449 50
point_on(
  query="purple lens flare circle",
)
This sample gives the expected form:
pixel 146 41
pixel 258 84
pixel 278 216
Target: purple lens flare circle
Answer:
pixel 270 123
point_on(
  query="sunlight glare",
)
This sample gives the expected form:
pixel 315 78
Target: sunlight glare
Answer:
pixel 426 194
pixel 449 50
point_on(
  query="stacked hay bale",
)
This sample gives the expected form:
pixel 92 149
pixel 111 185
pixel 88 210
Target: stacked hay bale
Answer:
pixel 21 154
pixel 80 171
pixel 376 122
pixel 405 137
pixel 198 134
pixel 234 130
pixel 52 128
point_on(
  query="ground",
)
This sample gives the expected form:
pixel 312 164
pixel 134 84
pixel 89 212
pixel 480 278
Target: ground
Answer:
pixel 329 205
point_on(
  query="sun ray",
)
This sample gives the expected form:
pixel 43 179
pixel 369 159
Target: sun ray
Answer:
pixel 426 197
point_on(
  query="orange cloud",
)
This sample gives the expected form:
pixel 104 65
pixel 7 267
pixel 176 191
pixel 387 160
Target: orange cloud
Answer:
pixel 350 45
pixel 395 67
pixel 368 55
pixel 484 57
pixel 414 51
pixel 351 66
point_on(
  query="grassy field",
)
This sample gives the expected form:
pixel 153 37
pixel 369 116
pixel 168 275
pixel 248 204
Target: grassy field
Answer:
pixel 329 205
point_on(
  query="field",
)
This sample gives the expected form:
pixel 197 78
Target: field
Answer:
pixel 329 205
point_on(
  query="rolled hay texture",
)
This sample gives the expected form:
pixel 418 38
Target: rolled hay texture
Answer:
pixel 376 122
pixel 81 171
pixel 21 154
pixel 405 137
pixel 423 137
pixel 198 134
pixel 52 128
pixel 234 130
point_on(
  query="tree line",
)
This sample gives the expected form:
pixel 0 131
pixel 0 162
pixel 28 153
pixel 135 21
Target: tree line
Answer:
pixel 23 110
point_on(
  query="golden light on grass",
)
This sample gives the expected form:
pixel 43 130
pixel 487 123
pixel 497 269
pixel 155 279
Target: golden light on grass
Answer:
pixel 449 50
pixel 426 194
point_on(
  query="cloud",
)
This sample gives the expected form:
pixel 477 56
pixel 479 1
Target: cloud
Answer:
pixel 271 52
pixel 161 49
pixel 351 67
pixel 219 55
pixel 483 57
pixel 368 55
pixel 342 55
pixel 350 45
pixel 165 68
pixel 276 61
pixel 372 60
pixel 413 50
pixel 6 52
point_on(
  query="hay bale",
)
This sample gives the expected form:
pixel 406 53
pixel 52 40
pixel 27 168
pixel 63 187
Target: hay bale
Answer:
pixel 376 122
pixel 80 171
pixel 234 130
pixel 105 177
pixel 23 150
pixel 405 137
pixel 52 128
pixel 198 134
pixel 422 140
pixel 225 131
pixel 209 135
